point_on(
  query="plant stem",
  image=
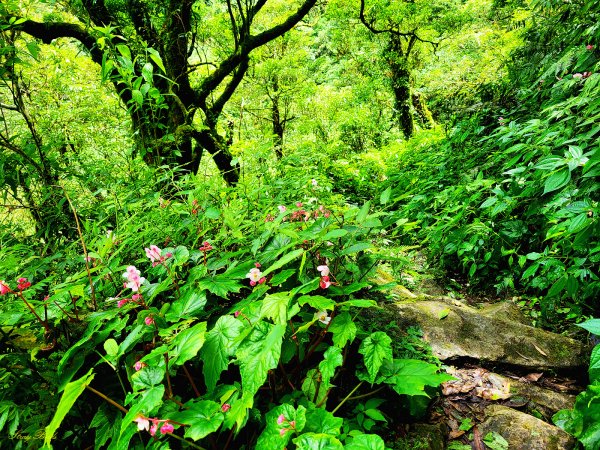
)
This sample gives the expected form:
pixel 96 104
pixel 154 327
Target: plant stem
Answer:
pixel 347 397
pixel 191 380
pixel 368 393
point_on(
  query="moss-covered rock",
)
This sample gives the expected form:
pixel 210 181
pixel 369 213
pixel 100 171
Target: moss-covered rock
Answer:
pixel 524 432
pixel 454 329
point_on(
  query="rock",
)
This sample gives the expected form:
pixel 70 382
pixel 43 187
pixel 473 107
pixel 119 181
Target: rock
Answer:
pixel 424 436
pixel 545 400
pixel 524 432
pixel 454 329
pixel 505 311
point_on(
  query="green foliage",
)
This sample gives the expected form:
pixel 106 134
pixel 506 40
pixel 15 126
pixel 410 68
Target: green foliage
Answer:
pixel 583 421
pixel 511 195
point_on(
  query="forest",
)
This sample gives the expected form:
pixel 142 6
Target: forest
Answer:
pixel 300 224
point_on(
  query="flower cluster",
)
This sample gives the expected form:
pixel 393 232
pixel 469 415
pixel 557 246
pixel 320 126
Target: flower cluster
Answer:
pixel 256 275
pixel 134 280
pixel 144 424
pixel 324 271
pixel 154 253
pixel 135 298
pixel 581 76
pixel 23 284
pixel 205 247
pixel 291 425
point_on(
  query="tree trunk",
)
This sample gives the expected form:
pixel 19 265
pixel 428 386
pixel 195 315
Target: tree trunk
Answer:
pixel 400 75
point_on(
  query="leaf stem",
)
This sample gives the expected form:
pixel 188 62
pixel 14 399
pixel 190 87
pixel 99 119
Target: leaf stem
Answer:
pixel 347 397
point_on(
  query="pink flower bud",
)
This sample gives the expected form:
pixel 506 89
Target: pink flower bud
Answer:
pixel 149 320
pixel 226 407
pixel 139 366
pixel 280 419
pixel 299 204
pixel 166 428
pixel 283 431
pixel 237 314
pixel 122 302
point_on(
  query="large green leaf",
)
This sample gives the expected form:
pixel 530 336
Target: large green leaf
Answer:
pixel 313 387
pixel 332 360
pixel 317 441
pixel 284 260
pixel 220 285
pixel 365 442
pixel 259 353
pixel 557 180
pixel 219 346
pixel 376 348
pixel 343 329
pixel 71 393
pixel 594 369
pixel 187 344
pixel 318 302
pixel 319 420
pixel 190 303
pixel 275 306
pixel 410 376
pixel 203 417
pixel 592 325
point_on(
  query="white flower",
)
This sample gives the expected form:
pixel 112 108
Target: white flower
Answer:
pixel 322 317
pixel 142 423
pixel 324 270
pixel 254 275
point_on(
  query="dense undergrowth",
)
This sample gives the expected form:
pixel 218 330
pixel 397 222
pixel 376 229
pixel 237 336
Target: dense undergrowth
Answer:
pixel 510 198
pixel 199 316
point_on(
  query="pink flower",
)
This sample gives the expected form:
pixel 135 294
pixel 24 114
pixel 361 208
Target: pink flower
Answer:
pixel 323 270
pixel 577 75
pixel 206 247
pixel 299 204
pixel 4 288
pixel 257 264
pixel 282 208
pixel 255 275
pixel 589 47
pixel 166 428
pixel 226 407
pixel 262 280
pixel 283 431
pixel 149 320
pixel 237 314
pixel 122 302
pixel 142 423
pixel 324 283
pixel 153 253
pixel 280 419
pixel 23 284
pixel 136 297
pixel 139 366
pixel 134 279
pixel 154 427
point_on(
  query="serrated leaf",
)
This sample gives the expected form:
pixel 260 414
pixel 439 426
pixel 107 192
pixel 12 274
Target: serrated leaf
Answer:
pixel 282 276
pixel 375 349
pixel 203 417
pixel 365 442
pixel 358 247
pixel 191 302
pixel 313 388
pixel 275 306
pixel 220 285
pixel 314 441
pixel 557 180
pixel 258 354
pixel 70 395
pixel 147 72
pixel 335 234
pixel 187 344
pixel 410 376
pixel 147 377
pixel 332 360
pixel 318 302
pixel 283 261
pixel 319 420
pixel 219 346
pixel 343 329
